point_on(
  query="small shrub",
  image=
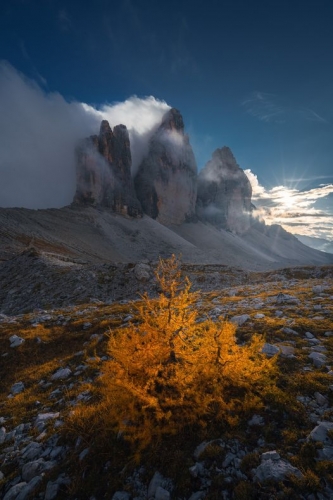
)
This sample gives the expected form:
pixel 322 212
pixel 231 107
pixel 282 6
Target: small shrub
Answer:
pixel 245 491
pixel 249 462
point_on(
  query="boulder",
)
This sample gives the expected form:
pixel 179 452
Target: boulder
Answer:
pixel 256 420
pixel 43 418
pixel 61 374
pixel 142 271
pixel 15 341
pixel 318 359
pixel 274 468
pixel 121 495
pixel 284 298
pixel 17 388
pixel 240 320
pixel 35 468
pixel 161 494
pixel 270 350
pixel 2 434
pixel 319 433
pixel 14 491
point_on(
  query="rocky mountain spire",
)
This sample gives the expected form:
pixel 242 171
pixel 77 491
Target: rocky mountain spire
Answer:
pixel 104 171
pixel 166 182
pixel 224 193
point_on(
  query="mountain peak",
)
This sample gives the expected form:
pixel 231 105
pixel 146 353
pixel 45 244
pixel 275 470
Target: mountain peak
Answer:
pixel 105 128
pixel 166 182
pixel 104 171
pixel 224 193
pixel 224 157
pixel 173 120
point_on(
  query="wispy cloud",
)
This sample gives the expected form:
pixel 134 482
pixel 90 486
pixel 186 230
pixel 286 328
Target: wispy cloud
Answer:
pixel 312 116
pixel 293 209
pixel 263 106
pixel 64 20
pixel 34 70
pixel 270 108
pixel 309 178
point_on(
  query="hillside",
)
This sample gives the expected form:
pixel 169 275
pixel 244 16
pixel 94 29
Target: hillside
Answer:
pixel 49 256
pixel 95 236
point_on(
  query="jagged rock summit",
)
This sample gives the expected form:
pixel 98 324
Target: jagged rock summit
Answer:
pixel 166 182
pixel 166 186
pixel 224 193
pixel 104 171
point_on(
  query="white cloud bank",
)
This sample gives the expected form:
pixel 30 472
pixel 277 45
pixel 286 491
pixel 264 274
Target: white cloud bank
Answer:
pixel 293 209
pixel 39 132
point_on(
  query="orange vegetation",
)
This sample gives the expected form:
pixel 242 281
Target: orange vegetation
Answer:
pixel 170 372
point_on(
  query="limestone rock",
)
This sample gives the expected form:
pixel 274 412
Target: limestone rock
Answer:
pixel 318 359
pixel 224 193
pixel 287 351
pixel 256 420
pixel 142 272
pixel 166 182
pixel 17 388
pixel 43 418
pixel 270 350
pixel 284 298
pixel 240 320
pixel 34 468
pixel 29 488
pixel 161 494
pixel 32 451
pixel 61 374
pixel 15 341
pixel 14 491
pixel 51 491
pixel 121 495
pixel 274 468
pixel 104 171
pixel 157 480
pixel 198 495
pixel 320 432
pixel 2 434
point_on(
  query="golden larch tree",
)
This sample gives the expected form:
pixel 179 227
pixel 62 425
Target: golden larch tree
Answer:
pixel 169 372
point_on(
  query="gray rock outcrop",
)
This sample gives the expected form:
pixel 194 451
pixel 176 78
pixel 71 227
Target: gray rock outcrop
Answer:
pixel 274 468
pixel 166 182
pixel 224 193
pixel 103 171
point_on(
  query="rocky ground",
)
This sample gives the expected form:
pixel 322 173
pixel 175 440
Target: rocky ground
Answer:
pixel 34 279
pixel 51 358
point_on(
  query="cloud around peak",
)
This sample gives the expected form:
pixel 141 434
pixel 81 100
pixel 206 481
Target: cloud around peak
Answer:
pixel 39 132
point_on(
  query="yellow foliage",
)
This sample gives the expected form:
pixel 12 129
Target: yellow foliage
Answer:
pixel 171 372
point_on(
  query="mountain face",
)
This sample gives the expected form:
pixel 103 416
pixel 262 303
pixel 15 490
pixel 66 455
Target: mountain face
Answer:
pixel 166 182
pixel 224 193
pixel 166 187
pixel 104 171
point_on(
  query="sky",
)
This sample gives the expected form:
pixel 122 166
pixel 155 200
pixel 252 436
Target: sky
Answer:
pixel 254 75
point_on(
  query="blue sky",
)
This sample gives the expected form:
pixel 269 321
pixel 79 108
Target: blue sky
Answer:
pixel 256 76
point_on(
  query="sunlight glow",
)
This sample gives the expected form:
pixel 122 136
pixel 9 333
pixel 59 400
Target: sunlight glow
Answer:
pixel 294 209
pixel 287 199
